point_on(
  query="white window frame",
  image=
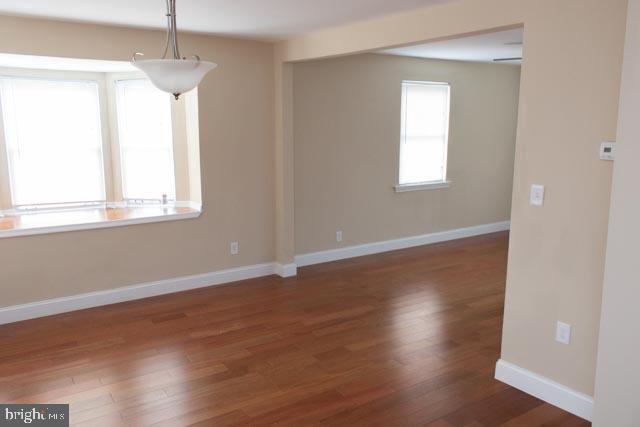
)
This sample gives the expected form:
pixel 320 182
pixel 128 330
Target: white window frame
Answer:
pixel 181 162
pixel 429 185
pixel 6 192
pixel 119 123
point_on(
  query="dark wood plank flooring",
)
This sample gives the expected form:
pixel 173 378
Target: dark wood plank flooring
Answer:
pixel 404 338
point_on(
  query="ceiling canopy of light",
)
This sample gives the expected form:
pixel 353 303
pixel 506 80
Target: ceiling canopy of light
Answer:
pixel 175 75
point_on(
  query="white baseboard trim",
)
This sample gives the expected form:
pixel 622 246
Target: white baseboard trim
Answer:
pixel 286 270
pixel 50 307
pixel 545 389
pixel 392 245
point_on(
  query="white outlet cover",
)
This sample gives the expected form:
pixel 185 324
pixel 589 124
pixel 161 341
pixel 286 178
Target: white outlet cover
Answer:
pixel 537 195
pixel 234 248
pixel 563 333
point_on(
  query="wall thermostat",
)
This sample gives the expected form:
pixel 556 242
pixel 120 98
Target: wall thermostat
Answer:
pixel 607 150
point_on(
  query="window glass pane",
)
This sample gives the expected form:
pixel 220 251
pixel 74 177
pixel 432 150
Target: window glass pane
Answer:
pixel 425 129
pixel 54 140
pixel 146 140
pixel 421 160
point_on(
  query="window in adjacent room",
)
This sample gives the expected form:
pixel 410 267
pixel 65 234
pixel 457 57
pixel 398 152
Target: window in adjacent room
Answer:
pixel 424 133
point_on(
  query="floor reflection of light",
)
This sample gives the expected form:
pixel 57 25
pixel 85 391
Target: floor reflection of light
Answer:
pixel 413 329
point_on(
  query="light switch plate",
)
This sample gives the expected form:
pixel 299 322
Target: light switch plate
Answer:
pixel 537 195
pixel 608 151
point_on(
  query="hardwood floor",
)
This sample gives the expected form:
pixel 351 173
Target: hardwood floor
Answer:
pixel 404 338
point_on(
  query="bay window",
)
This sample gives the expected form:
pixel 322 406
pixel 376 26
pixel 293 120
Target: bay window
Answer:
pixel 100 141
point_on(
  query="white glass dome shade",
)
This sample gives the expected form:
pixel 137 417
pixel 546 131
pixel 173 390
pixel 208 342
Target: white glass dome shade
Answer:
pixel 175 75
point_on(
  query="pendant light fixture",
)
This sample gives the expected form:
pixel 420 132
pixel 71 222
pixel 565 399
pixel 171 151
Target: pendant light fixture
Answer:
pixel 175 75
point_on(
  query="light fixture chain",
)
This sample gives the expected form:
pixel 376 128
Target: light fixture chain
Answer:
pixel 172 28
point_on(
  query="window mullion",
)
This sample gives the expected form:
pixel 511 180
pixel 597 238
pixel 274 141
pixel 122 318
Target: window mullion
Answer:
pixel 5 190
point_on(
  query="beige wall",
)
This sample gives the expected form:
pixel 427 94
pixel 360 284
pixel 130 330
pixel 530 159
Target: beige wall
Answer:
pixel 236 153
pixel 618 377
pixel 347 140
pixel 568 105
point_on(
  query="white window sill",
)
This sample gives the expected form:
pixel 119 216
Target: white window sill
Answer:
pixel 404 188
pixel 16 224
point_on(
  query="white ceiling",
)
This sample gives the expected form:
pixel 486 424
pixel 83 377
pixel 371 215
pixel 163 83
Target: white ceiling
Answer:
pixel 481 48
pixel 269 19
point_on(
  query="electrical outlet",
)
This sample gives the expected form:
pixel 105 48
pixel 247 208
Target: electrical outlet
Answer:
pixel 234 248
pixel 563 333
pixel 537 195
pixel 339 236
